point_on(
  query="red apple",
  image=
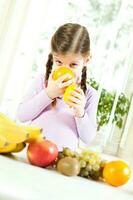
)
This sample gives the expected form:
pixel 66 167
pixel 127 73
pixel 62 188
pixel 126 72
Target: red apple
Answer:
pixel 42 152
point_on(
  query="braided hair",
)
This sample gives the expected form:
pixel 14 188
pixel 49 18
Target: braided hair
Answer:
pixel 49 65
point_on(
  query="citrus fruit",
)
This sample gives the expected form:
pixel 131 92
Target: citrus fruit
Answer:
pixel 62 71
pixel 68 91
pixel 116 172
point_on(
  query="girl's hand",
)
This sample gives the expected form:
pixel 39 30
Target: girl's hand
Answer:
pixel 56 88
pixel 77 102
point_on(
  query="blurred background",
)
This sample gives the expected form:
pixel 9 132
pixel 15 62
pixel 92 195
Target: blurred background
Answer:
pixel 26 27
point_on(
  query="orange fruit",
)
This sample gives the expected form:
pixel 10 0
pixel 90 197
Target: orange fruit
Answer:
pixel 68 91
pixel 62 71
pixel 116 172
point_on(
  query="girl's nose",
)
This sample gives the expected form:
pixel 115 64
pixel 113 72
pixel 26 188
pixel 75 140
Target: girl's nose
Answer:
pixel 68 66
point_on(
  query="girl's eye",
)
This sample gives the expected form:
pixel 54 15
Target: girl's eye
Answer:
pixel 58 62
pixel 73 65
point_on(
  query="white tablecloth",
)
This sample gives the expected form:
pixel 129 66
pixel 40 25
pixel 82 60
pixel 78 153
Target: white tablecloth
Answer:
pixel 21 181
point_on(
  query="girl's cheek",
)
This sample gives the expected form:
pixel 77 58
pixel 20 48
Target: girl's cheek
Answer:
pixel 78 81
pixel 78 75
pixel 55 66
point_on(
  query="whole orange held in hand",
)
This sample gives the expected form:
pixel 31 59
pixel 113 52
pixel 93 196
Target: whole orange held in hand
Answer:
pixel 116 172
pixel 62 71
pixel 68 91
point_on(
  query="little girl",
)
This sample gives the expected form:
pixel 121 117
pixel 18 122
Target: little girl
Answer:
pixel 43 105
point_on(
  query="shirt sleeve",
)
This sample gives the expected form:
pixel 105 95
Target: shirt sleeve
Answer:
pixel 87 125
pixel 34 102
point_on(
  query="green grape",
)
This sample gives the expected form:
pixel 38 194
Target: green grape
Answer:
pixel 86 158
pixel 68 152
pixel 95 175
pixel 90 153
pixel 83 173
pixel 76 155
pixel 96 167
pixel 60 155
pixel 98 160
pixel 82 163
pixel 92 160
pixel 88 167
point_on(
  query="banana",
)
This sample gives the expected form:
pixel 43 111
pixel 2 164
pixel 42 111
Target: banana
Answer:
pixel 3 141
pixel 8 148
pixel 13 133
pixel 19 147
pixel 34 133
pixel 13 148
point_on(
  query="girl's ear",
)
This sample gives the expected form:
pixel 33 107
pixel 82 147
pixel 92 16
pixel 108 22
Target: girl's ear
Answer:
pixel 87 59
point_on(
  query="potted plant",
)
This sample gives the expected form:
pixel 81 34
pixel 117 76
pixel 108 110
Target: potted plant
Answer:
pixel 105 106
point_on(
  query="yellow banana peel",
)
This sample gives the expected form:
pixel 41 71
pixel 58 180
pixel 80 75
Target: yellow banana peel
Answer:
pixel 19 147
pixel 13 148
pixel 12 133
pixel 34 133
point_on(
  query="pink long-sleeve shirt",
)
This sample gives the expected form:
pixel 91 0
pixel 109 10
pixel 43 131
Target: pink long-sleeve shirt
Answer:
pixel 59 124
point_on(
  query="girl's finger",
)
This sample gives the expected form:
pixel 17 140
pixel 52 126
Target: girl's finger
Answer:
pixel 77 95
pixel 65 84
pixel 74 105
pixel 63 78
pixel 79 90
pixel 74 100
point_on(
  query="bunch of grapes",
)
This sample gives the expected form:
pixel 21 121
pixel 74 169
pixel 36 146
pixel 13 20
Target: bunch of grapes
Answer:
pixel 91 164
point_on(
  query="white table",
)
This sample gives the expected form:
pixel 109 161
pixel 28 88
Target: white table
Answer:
pixel 21 181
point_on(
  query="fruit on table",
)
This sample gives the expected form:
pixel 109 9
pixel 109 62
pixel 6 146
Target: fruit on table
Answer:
pixel 116 172
pixel 19 147
pixel 13 148
pixel 68 166
pixel 68 91
pixel 42 152
pixel 12 133
pixel 3 141
pixel 34 133
pixel 62 71
pixel 91 164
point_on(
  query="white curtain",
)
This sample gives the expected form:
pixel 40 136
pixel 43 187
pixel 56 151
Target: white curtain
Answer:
pixel 19 40
pixel 12 18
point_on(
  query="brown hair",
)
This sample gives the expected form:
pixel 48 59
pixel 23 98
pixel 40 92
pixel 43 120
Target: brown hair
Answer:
pixel 72 38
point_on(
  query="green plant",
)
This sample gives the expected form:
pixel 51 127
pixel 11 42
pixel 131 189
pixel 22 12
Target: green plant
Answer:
pixel 105 106
pixel 121 110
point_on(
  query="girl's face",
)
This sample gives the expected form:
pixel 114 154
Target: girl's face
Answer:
pixel 75 62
